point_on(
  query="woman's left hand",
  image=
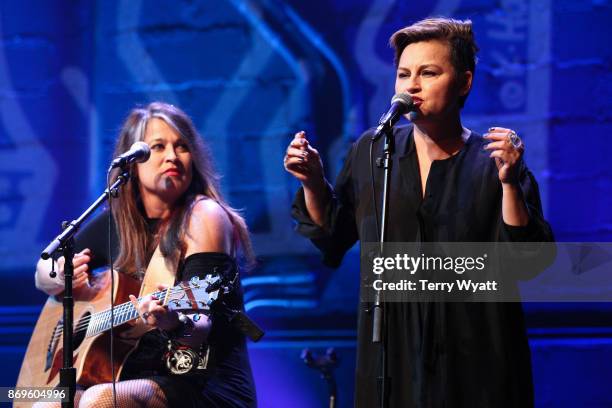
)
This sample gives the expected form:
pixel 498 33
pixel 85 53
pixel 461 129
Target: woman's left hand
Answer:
pixel 154 314
pixel 507 149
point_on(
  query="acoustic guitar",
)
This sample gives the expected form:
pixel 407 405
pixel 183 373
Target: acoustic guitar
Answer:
pixel 92 322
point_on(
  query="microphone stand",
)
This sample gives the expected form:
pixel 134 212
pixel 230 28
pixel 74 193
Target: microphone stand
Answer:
pixel 64 242
pixel 379 329
pixel 325 364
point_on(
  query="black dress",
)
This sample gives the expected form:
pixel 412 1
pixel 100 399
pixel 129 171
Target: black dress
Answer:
pixel 440 354
pixel 230 382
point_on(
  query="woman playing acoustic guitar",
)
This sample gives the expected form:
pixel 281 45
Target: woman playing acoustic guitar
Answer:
pixel 171 205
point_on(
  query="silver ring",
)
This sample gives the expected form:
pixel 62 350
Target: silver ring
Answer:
pixel 145 316
pixel 515 140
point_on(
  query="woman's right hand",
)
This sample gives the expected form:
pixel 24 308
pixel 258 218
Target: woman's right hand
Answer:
pixel 304 162
pixel 55 286
pixel 80 279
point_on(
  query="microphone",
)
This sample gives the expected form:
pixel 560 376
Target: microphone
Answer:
pixel 138 153
pixel 400 105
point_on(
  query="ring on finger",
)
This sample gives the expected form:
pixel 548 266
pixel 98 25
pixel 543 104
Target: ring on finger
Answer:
pixel 515 140
pixel 145 316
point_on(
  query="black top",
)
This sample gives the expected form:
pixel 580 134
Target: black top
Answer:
pixel 439 354
pixel 229 383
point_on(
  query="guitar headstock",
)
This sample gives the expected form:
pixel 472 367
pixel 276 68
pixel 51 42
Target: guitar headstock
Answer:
pixel 195 295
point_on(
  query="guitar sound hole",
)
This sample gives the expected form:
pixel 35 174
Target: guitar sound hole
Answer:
pixel 80 330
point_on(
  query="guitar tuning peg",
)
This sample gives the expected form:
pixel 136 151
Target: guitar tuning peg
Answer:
pixel 195 281
pixel 182 318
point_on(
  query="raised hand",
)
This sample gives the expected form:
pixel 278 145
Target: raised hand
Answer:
pixel 304 162
pixel 507 149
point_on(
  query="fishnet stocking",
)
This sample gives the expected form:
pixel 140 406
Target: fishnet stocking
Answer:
pixel 131 393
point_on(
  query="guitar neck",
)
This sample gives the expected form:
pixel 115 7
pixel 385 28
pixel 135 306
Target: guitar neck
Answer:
pixel 123 313
pixel 194 295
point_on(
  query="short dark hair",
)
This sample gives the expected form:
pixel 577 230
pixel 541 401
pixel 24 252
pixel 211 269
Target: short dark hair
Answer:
pixel 457 34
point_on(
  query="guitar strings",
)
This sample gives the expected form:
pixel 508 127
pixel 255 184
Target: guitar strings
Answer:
pixel 84 323
pixel 120 310
pixel 123 308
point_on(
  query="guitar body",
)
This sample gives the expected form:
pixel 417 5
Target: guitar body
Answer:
pixel 91 358
pixel 92 321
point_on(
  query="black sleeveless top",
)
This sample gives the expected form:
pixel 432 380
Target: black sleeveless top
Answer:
pixel 229 382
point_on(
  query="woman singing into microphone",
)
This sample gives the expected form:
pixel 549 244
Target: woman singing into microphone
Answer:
pixel 448 184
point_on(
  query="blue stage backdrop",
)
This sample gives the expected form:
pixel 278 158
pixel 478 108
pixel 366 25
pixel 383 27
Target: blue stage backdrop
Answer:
pixel 251 74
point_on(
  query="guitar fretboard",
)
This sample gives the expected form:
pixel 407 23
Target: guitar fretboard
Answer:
pixel 101 321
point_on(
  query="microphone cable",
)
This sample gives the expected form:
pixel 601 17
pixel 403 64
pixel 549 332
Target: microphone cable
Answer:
pixel 112 291
pixel 373 186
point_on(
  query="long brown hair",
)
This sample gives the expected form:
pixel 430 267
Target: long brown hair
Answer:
pixel 137 243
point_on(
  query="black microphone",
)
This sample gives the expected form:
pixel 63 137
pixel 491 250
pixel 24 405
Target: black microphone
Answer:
pixel 400 105
pixel 138 153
